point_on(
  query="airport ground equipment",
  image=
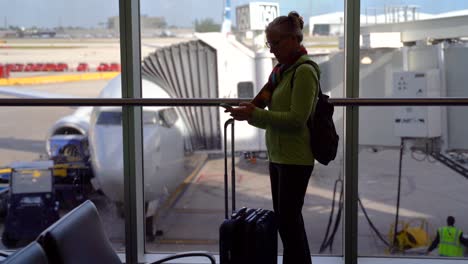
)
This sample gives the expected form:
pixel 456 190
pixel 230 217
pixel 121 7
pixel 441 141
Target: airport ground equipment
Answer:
pixel 249 236
pixel 412 234
pixel 452 161
pixel 4 190
pixel 71 183
pixel 72 168
pixel 32 206
pixel 68 149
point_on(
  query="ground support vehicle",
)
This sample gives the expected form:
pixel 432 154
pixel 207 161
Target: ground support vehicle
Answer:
pixel 72 168
pixel 72 183
pixel 31 205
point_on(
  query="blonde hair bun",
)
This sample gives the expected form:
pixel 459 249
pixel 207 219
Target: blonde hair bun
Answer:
pixel 297 19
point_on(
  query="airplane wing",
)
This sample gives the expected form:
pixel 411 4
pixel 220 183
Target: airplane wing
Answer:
pixel 28 93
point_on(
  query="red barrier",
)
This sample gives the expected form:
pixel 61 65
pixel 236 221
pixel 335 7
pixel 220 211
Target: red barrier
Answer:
pixel 57 67
pixel 4 71
pixel 61 67
pixel 82 67
pixel 103 67
pixel 115 67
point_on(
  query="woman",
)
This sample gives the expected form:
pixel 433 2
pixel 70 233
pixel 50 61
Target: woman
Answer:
pixel 287 136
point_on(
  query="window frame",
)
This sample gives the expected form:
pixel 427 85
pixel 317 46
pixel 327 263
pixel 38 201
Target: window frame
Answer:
pixel 132 103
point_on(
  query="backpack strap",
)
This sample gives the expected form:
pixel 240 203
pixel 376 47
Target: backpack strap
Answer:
pixel 316 68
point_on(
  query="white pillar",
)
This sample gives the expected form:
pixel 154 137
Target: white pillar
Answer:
pixel 263 67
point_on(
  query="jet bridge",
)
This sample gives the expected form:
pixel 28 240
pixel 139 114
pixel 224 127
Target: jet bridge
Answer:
pixel 213 66
pixel 189 70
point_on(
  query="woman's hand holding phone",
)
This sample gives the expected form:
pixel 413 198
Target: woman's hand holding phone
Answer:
pixel 227 107
pixel 243 112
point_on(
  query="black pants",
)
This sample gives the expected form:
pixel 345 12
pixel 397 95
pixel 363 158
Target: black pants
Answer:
pixel 288 188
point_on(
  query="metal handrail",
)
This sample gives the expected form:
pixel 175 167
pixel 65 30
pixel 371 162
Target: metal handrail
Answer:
pixel 445 101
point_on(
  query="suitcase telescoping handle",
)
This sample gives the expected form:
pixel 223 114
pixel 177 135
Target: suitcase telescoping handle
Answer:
pixel 233 172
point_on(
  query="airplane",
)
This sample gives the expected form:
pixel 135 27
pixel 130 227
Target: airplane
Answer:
pixel 163 135
pixel 163 139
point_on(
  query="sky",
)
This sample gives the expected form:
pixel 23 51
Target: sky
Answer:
pixel 92 13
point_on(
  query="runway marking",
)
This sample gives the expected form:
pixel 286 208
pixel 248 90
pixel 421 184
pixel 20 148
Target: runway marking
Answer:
pixel 204 176
pixel 369 204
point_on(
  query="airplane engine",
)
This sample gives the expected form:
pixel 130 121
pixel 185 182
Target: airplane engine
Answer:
pixel 75 124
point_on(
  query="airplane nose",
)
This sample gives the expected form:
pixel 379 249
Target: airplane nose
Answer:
pixel 107 159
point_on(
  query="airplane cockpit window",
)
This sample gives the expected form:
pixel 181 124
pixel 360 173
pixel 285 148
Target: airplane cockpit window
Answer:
pixel 245 90
pixel 168 117
pixel 115 118
pixel 110 118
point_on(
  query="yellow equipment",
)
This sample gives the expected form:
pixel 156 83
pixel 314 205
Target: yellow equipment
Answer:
pixel 412 234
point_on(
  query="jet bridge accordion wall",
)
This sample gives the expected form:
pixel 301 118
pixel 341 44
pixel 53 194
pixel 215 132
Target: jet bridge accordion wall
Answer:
pixel 189 70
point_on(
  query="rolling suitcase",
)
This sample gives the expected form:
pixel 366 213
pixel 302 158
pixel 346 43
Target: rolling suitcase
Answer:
pixel 248 236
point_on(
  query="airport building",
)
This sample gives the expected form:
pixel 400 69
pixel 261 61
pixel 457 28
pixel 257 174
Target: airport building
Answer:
pixel 129 166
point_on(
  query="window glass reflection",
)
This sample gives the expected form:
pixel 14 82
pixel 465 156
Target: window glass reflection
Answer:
pixel 411 174
pixel 409 51
pixel 205 55
pixel 59 49
pixel 402 39
pixel 184 186
pixel 56 49
pixel 52 168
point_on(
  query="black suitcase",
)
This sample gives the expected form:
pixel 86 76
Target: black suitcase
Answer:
pixel 249 236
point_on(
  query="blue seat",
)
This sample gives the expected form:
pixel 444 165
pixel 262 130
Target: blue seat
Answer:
pixel 32 253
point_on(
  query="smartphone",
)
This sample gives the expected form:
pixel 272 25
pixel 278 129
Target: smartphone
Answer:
pixel 228 107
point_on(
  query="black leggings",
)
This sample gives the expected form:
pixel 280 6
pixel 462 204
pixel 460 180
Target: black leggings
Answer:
pixel 288 188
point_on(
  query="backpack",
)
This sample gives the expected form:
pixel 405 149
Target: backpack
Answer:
pixel 323 136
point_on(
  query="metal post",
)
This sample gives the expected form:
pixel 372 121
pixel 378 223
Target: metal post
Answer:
pixel 132 131
pixel 395 245
pixel 352 17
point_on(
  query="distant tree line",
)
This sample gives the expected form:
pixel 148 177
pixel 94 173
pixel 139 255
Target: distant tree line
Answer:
pixel 145 20
pixel 206 25
pixel 148 22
